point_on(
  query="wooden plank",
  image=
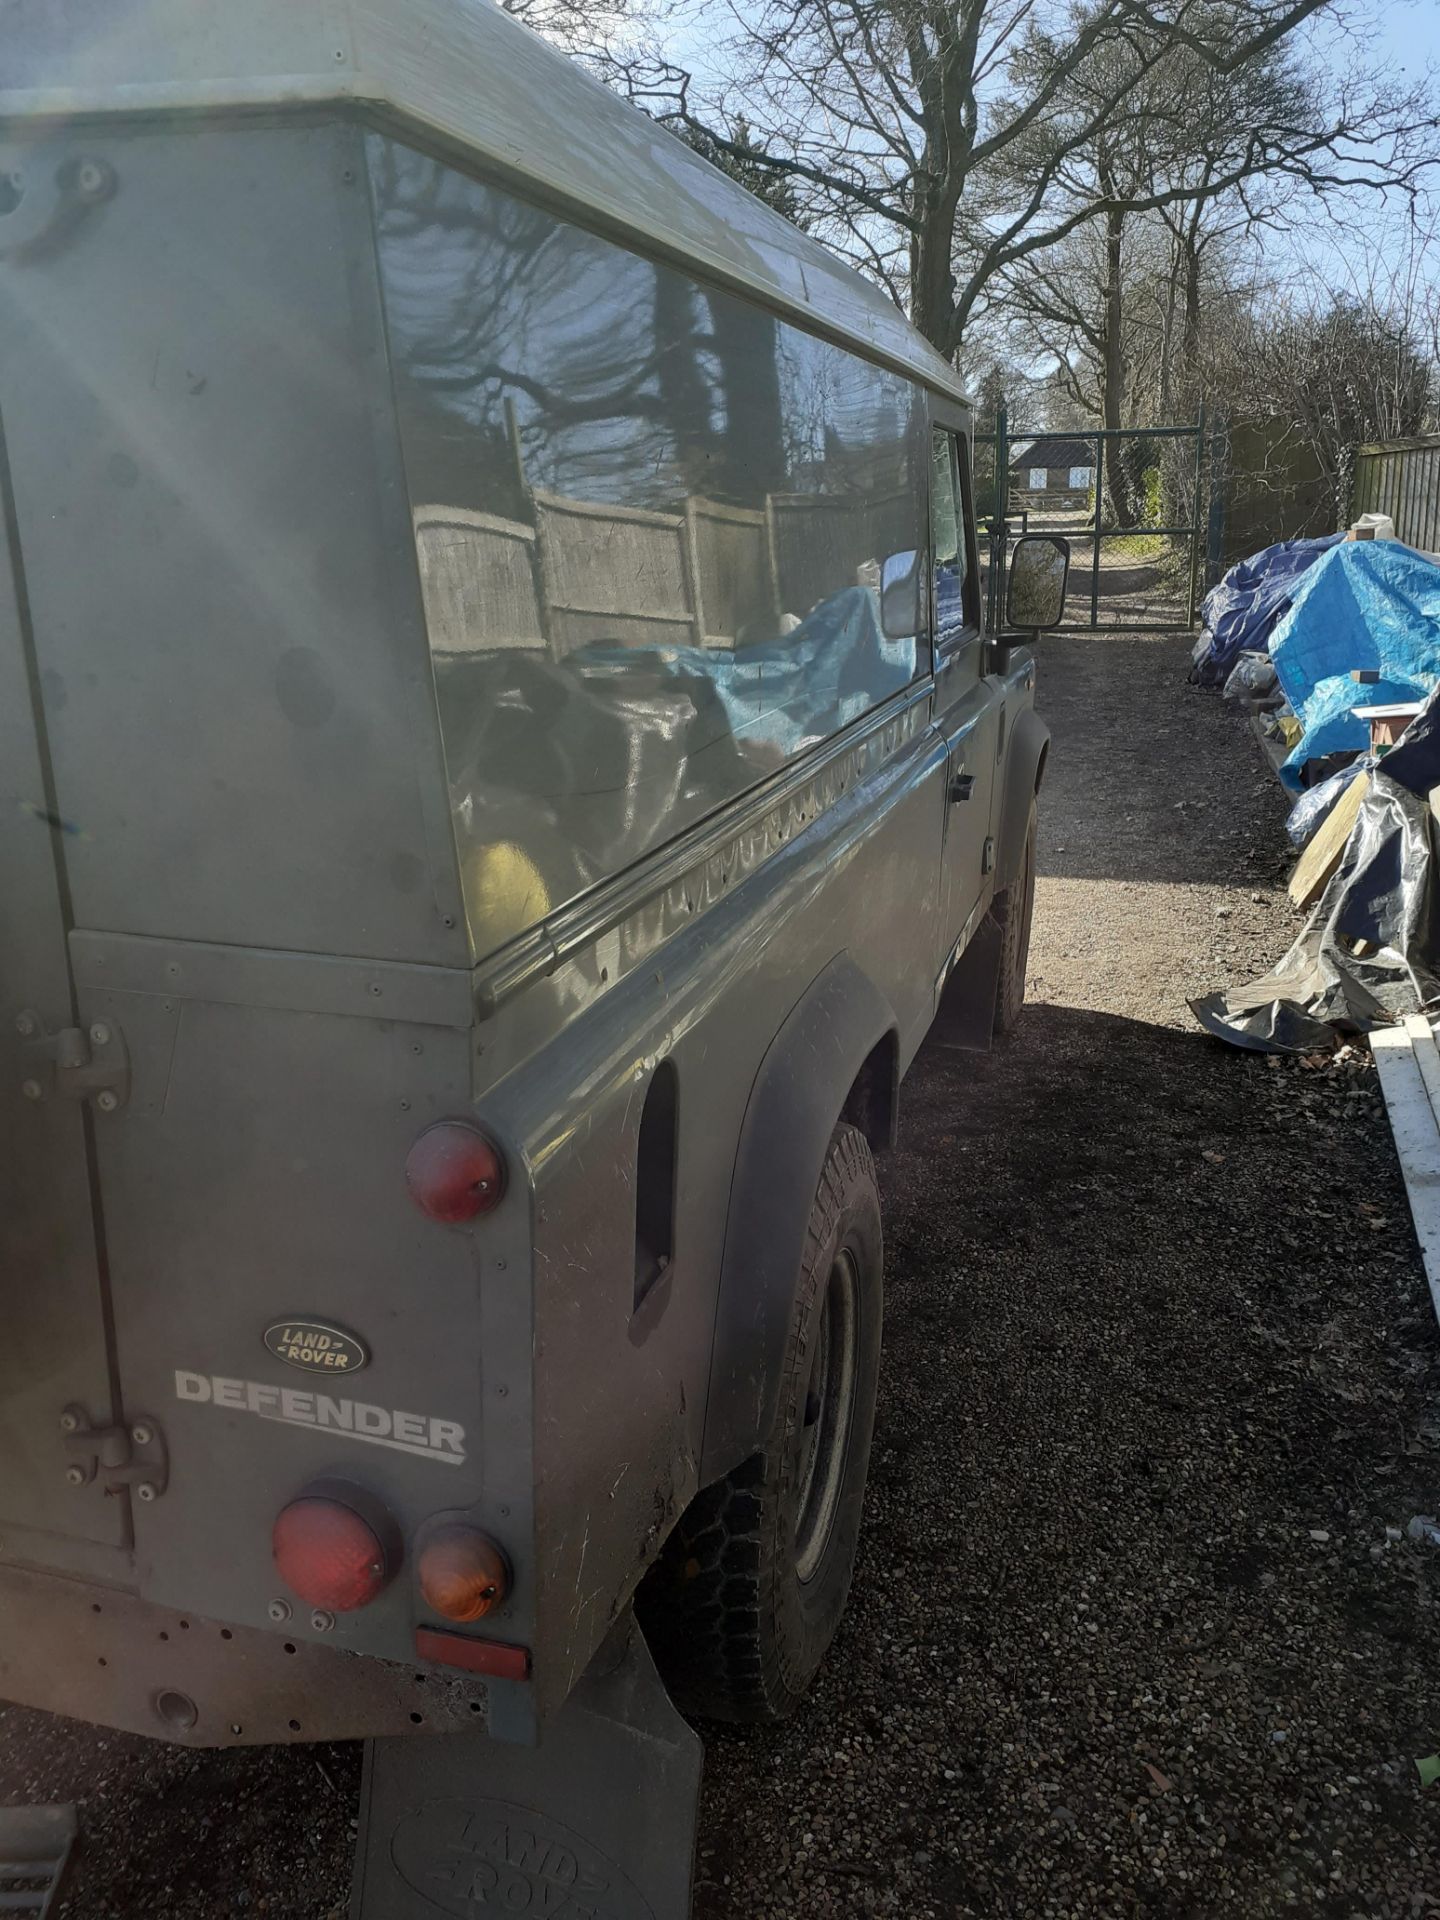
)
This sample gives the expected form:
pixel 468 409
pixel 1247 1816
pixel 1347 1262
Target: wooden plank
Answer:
pixel 1417 1141
pixel 1427 1058
pixel 1322 856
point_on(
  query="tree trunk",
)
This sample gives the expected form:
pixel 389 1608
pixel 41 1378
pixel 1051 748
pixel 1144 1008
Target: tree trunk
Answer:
pixel 1167 338
pixel 1118 484
pixel 932 276
pixel 752 450
pixel 1190 337
pixel 684 387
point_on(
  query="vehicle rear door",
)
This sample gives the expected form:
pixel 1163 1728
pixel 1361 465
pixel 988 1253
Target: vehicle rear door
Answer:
pixel 968 703
pixel 56 1366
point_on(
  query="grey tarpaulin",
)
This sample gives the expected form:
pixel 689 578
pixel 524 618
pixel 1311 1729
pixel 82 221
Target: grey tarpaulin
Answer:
pixel 1383 892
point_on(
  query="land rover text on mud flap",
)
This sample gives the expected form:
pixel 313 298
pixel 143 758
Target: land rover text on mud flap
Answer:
pixel 501 769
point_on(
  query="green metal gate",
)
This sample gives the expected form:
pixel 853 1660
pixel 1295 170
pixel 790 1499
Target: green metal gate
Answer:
pixel 1006 514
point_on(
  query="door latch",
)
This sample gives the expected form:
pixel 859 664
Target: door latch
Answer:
pixel 78 1063
pixel 962 785
pixel 135 1456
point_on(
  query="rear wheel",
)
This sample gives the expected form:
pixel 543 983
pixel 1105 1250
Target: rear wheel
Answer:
pixel 749 1590
pixel 1014 910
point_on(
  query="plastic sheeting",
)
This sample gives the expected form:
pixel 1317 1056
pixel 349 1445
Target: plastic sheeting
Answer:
pixel 1366 604
pixel 1383 893
pixel 1310 810
pixel 1241 612
pixel 566 769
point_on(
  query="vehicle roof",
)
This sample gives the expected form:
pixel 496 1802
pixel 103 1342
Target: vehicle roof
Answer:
pixel 463 72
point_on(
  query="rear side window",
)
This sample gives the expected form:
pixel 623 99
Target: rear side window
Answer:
pixel 651 523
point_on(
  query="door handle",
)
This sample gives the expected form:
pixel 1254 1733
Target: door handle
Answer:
pixel 962 785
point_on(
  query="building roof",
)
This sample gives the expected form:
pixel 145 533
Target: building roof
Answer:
pixel 463 75
pixel 1053 450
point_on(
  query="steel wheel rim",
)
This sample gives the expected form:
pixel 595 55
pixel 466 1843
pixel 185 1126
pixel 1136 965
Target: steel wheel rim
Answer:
pixel 826 1413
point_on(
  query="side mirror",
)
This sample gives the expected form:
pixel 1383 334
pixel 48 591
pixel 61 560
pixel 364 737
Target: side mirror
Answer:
pixel 901 578
pixel 1039 573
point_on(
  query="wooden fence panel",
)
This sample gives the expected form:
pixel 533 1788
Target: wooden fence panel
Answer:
pixel 621 575
pixel 477 579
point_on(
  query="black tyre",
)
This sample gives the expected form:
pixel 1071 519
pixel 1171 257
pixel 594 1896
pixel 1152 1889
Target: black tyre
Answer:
pixel 749 1590
pixel 1014 909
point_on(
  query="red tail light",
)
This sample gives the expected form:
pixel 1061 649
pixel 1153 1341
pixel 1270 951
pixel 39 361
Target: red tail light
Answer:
pixel 331 1555
pixel 454 1173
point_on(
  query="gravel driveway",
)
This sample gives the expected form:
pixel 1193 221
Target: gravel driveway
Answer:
pixel 1127 1636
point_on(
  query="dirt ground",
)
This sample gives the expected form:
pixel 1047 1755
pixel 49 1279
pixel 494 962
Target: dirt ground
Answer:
pixel 1128 1636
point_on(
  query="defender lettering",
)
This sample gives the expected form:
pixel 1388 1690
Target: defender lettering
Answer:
pixel 442 1440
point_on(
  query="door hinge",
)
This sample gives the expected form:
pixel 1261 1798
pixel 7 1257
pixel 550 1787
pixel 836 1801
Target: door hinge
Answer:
pixel 78 1063
pixel 133 1457
pixel 987 857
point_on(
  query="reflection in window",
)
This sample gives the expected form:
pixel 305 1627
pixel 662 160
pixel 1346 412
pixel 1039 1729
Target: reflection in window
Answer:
pixel 650 521
pixel 947 534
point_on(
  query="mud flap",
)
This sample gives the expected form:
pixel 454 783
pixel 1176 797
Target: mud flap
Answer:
pixel 35 1844
pixel 966 1014
pixel 595 1823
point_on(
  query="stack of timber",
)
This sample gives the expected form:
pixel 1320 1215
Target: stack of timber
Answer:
pixel 1408 1063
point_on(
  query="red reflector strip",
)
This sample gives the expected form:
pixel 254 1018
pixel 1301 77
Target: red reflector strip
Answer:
pixel 489 1657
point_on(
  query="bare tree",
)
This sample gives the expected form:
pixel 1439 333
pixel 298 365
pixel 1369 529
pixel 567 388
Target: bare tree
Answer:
pixel 940 143
pixel 584 28
pixel 1338 367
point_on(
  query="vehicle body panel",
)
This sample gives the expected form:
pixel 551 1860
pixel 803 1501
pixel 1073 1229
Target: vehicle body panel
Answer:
pixel 260 418
pixel 429 67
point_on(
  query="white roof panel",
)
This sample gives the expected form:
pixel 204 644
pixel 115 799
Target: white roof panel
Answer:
pixel 466 73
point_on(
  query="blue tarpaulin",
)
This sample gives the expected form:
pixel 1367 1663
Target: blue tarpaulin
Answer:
pixel 1366 604
pixel 1240 613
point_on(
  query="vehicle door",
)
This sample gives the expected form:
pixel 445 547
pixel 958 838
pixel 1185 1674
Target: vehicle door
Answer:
pixel 56 1366
pixel 968 704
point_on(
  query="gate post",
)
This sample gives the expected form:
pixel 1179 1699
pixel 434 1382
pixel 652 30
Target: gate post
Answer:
pixel 1219 473
pixel 1194 568
pixel 1099 510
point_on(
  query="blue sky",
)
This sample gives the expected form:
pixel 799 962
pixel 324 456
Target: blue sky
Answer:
pixel 1365 235
pixel 1409 34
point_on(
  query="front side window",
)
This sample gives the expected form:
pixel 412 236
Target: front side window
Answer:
pixel 948 537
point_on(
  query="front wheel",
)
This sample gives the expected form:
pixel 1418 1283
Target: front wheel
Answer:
pixel 1014 909
pixel 747 1595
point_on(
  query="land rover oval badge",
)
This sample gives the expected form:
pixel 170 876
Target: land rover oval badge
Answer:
pixel 315 1347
